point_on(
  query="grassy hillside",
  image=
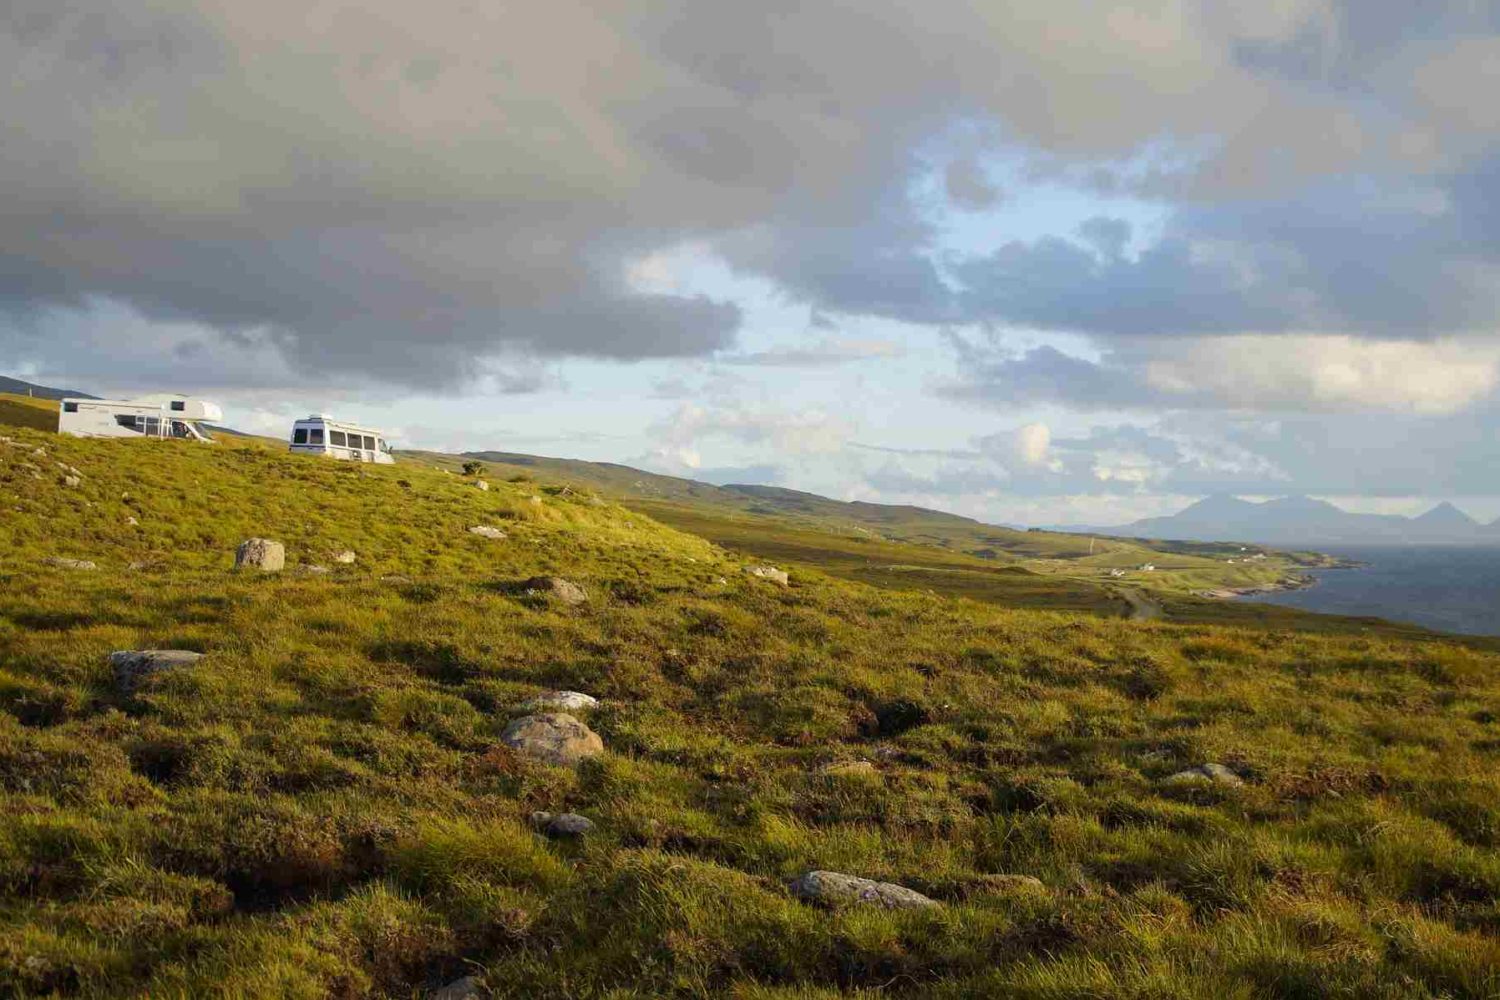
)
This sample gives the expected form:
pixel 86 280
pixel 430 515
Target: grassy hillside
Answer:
pixel 322 806
pixel 760 519
pixel 24 411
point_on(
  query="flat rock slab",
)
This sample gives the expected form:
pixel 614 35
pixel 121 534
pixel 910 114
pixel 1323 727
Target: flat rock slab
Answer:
pixel 562 826
pixel 260 554
pixel 347 557
pixel 133 665
pixel 1207 774
pixel 838 889
pixel 62 562
pixel 552 738
pixel 769 573
pixel 485 531
pixel 555 586
pixel 560 701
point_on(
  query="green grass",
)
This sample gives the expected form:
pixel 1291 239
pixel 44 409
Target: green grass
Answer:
pixel 322 807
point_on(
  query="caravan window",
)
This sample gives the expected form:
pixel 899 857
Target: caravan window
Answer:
pixel 336 438
pixel 179 405
pixel 299 435
pixel 126 420
pixel 70 407
pixel 369 443
pixel 315 435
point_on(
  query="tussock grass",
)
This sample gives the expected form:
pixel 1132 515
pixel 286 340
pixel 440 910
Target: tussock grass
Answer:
pixel 321 806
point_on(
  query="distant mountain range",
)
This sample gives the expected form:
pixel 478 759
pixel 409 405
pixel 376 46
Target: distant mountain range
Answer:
pixel 1304 521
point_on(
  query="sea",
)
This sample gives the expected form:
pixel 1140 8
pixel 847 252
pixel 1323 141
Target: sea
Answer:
pixel 1447 588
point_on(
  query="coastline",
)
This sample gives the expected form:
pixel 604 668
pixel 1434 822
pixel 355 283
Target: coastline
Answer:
pixel 1299 581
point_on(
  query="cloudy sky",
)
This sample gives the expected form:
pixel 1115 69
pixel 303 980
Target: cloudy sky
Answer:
pixel 1037 263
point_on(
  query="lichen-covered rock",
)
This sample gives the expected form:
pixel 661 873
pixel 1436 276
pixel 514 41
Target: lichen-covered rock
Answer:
pixel 260 554
pixel 71 481
pixel 562 826
pixel 555 586
pixel 552 738
pixel 1207 774
pixel 486 531
pixel 838 889
pixel 480 484
pixel 560 701
pixel 347 557
pixel 132 665
pixel 769 573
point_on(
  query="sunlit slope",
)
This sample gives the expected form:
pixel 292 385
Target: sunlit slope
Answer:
pixel 323 806
pixel 24 411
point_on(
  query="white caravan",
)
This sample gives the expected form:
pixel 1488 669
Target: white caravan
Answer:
pixel 158 416
pixel 320 434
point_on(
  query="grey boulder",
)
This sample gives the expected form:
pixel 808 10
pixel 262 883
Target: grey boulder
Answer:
pixel 133 665
pixel 1207 774
pixel 485 531
pixel 260 554
pixel 838 889
pixel 560 701
pixel 555 586
pixel 562 826
pixel 63 562
pixel 467 988
pixel 769 573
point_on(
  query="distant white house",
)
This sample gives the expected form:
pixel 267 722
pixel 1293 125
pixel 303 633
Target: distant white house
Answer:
pixel 320 434
pixel 157 416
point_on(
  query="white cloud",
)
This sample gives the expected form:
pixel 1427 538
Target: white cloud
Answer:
pixel 1326 372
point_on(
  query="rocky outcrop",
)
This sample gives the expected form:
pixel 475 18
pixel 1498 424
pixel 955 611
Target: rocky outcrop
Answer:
pixel 486 531
pixel 552 738
pixel 480 484
pixel 555 586
pixel 467 988
pixel 131 666
pixel 260 554
pixel 838 889
pixel 346 557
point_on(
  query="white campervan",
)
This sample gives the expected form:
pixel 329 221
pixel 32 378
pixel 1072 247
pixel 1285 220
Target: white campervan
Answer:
pixel 158 416
pixel 320 434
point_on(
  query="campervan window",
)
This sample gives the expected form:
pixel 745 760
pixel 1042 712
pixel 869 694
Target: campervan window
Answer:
pixel 315 435
pixel 299 435
pixel 70 407
pixel 369 443
pixel 125 420
pixel 179 405
pixel 336 438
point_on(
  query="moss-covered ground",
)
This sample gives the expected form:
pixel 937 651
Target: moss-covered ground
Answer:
pixel 321 806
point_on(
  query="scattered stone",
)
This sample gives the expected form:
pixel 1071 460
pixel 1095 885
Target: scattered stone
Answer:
pixel 562 826
pixel 132 665
pixel 564 590
pixel 849 768
pixel 1207 774
pixel 39 453
pixel 536 499
pixel 467 988
pixel 838 889
pixel 130 520
pixel 63 562
pixel 485 531
pixel 769 573
pixel 480 484
pixel 347 557
pixel 261 554
pixel 71 481
pixel 314 569
pixel 395 578
pixel 560 701
pixel 552 738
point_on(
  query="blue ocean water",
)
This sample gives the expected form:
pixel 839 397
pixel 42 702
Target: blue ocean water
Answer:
pixel 1447 588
